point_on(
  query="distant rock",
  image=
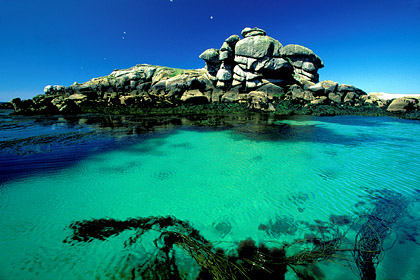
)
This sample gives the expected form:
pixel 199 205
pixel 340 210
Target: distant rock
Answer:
pixel 6 105
pixel 403 104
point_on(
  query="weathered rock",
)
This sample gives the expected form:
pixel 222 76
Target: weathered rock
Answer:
pixel 258 47
pixel 77 97
pixel 335 97
pixel 232 40
pixel 226 47
pixel 129 100
pixel 317 88
pixel 273 64
pixel 230 97
pixel 293 50
pixel 403 104
pixel 252 84
pixel 53 90
pixel 252 75
pixel 346 88
pixel 221 84
pixel 216 95
pixel 6 105
pixel 210 55
pixel 350 96
pixel 249 32
pixel 224 75
pixel 22 106
pixel 212 68
pixel 225 55
pixel 272 90
pixel 309 67
pixel 236 82
pixel 48 89
pixel 300 93
pixel 195 96
pixel 69 107
pixel 257 64
pixel 319 100
pixel 258 100
pixel 245 62
pixel 239 74
pixel 329 86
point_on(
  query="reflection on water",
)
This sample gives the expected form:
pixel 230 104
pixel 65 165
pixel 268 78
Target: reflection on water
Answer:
pixel 277 181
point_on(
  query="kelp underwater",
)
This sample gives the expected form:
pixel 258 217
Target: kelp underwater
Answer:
pixel 356 242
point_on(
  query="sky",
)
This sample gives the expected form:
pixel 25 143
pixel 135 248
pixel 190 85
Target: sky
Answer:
pixel 371 44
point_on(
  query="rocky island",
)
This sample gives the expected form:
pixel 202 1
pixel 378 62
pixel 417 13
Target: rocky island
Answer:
pixel 255 73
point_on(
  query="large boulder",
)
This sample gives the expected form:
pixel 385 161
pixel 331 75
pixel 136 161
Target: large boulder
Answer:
pixel 258 47
pixel 403 104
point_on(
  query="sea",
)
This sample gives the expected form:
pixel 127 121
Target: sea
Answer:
pixel 278 180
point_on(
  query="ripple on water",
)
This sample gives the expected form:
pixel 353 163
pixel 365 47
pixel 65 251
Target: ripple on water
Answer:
pixel 283 185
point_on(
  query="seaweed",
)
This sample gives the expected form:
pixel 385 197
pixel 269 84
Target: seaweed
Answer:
pixel 250 260
pixel 388 208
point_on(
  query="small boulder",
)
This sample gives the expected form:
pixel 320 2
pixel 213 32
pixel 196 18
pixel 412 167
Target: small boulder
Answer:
pixel 232 40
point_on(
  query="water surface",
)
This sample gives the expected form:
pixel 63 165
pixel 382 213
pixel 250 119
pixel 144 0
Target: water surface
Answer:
pixel 266 178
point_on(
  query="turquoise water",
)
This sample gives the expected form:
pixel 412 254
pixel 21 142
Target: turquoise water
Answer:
pixel 267 180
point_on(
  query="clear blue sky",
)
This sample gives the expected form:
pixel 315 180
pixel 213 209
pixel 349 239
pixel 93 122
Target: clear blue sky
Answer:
pixel 372 44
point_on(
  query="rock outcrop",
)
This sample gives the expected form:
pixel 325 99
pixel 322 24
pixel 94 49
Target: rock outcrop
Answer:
pixel 256 72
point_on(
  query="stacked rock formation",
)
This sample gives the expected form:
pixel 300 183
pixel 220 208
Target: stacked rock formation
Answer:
pixel 258 59
pixel 256 71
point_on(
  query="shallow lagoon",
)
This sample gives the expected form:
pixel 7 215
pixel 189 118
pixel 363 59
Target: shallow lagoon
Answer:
pixel 264 177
